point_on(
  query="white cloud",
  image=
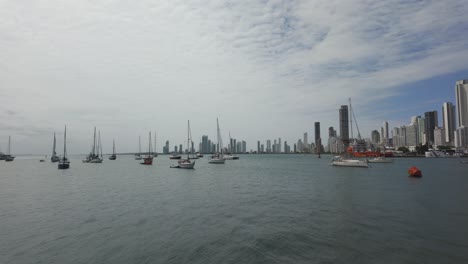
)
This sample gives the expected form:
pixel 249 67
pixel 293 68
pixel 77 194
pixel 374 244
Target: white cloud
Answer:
pixel 266 68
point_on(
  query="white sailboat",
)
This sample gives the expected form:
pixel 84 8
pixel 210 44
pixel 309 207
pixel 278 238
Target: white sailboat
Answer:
pixel 186 163
pixel 64 163
pixel 54 157
pixel 95 156
pixel 8 156
pixel 231 156
pixel 138 155
pixel 218 158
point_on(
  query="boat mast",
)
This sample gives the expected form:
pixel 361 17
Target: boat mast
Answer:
pixel 351 118
pixel 64 143
pixel 99 145
pixel 9 143
pixel 355 121
pixel 149 147
pixel 94 142
pixel 53 150
pixel 113 146
pixel 139 145
pixel 189 151
pixel 154 150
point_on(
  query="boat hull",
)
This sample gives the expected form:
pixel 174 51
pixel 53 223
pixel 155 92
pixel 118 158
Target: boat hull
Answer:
pixel 147 161
pixel 186 165
pixel 113 157
pixel 54 159
pixel 380 160
pixel 63 166
pixel 349 164
pixel 216 161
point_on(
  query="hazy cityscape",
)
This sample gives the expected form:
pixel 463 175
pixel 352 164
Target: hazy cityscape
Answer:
pixel 445 129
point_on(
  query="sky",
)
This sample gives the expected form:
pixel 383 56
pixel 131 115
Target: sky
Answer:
pixel 266 69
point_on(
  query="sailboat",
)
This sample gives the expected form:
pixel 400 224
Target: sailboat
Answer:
pixel 218 158
pixel 64 163
pixel 148 160
pixel 138 155
pixel 230 156
pixel 114 155
pixel 186 163
pixel 95 156
pixel 54 157
pixel 8 156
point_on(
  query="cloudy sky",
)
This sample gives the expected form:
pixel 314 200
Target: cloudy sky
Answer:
pixel 267 69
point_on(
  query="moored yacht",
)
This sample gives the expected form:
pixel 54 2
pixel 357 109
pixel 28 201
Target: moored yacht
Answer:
pixel 343 162
pixel 218 158
pixel 95 156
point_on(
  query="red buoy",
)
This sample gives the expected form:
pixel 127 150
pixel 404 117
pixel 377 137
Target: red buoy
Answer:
pixel 414 172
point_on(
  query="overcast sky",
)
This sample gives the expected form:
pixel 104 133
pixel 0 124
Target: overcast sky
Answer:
pixel 267 69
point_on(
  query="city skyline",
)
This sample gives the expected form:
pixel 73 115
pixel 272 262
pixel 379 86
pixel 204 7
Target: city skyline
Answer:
pixel 267 69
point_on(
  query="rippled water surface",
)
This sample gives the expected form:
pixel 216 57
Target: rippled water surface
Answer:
pixel 259 209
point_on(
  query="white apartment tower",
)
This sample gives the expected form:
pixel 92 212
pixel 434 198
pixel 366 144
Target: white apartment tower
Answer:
pixel 461 95
pixel 448 122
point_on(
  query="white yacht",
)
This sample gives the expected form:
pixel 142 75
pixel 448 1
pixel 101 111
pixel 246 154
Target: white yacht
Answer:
pixel 432 153
pixel 343 162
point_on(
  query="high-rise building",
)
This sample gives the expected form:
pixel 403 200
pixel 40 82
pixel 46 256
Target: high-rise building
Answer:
pixel 385 131
pixel 431 122
pixel 244 146
pixel 258 146
pixel 305 139
pixel 268 148
pixel 317 131
pixel 448 122
pixel 344 124
pixel 205 146
pixel 421 132
pixel 411 134
pixel 279 146
pixel 461 95
pixel 461 137
pixel 331 132
pixel 166 147
pixel 375 137
pixel 439 137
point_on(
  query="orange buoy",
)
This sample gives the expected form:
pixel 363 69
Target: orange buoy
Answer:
pixel 414 172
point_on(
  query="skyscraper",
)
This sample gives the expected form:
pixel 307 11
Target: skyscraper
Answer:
pixel 258 146
pixel 205 146
pixel 317 132
pixel 421 132
pixel 430 124
pixel 448 122
pixel 461 95
pixel 385 131
pixel 344 124
pixel 331 132
pixel 375 136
